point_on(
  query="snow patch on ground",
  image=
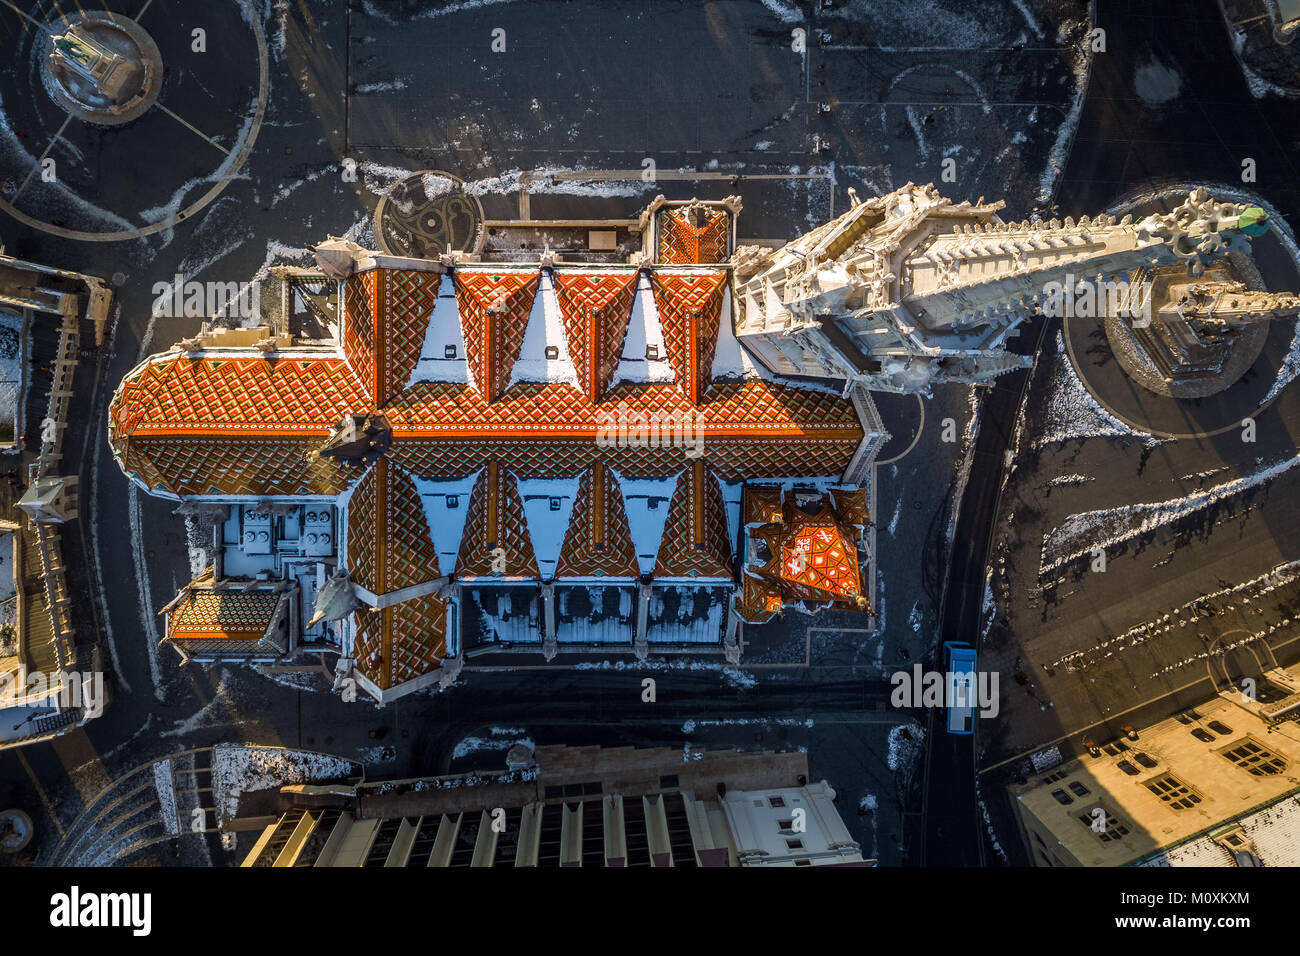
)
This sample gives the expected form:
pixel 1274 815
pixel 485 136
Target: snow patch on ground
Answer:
pixel 1072 413
pixel 165 784
pixel 1069 480
pixel 1082 533
pixel 544 181
pixel 237 770
pixel 904 746
pixel 785 12
pixel 738 678
pixel 472 745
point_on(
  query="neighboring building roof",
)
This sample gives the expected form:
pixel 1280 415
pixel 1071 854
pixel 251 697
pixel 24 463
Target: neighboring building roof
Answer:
pixel 1172 785
pixel 1270 837
pixel 573 806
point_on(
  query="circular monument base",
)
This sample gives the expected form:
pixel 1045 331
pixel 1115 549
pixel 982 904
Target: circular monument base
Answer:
pixel 135 84
pixel 428 214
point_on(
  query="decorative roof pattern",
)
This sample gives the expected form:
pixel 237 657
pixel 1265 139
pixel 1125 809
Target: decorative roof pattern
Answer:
pixel 234 614
pixel 282 397
pixel 598 541
pixel 253 425
pixel 695 541
pixel 494 309
pixel 408 300
pixel 360 307
pixel 235 466
pixel 682 241
pixel 400 642
pixel 811 552
pixel 389 545
pixel 496 541
pixel 759 601
pixel 690 305
pixel 595 310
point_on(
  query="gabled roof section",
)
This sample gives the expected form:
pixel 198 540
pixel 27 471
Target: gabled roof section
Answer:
pixel 229 621
pixel 446 506
pixel 279 397
pixel 598 542
pixel 389 544
pixel 695 540
pixel 496 540
pixel 690 306
pixel 693 234
pixel 444 355
pixel 400 642
pixel 387 312
pixel 809 553
pixel 644 357
pixel 409 301
pixel 360 311
pixel 548 504
pixel 235 466
pixel 595 308
pixel 494 309
pixel 544 355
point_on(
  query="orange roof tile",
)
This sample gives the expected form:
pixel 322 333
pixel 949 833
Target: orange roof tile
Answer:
pixel 682 242
pixel 400 642
pixel 279 397
pixel 696 542
pixel 690 305
pixel 595 310
pixel 253 425
pixel 206 614
pixel 495 539
pixel 235 466
pixel 494 308
pixel 598 540
pixel 389 545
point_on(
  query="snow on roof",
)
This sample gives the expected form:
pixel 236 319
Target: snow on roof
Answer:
pixel 643 331
pixel 548 503
pixel 443 356
pixel 732 492
pixel 687 614
pixel 545 331
pixel 1274 833
pixel 730 360
pixel 446 503
pixel 647 502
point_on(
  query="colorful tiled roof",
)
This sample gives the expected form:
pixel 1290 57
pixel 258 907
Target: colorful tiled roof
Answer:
pixel 598 541
pixel 681 241
pixel 401 642
pixel 225 621
pixel 389 544
pixel 811 548
pixel 695 541
pixel 252 424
